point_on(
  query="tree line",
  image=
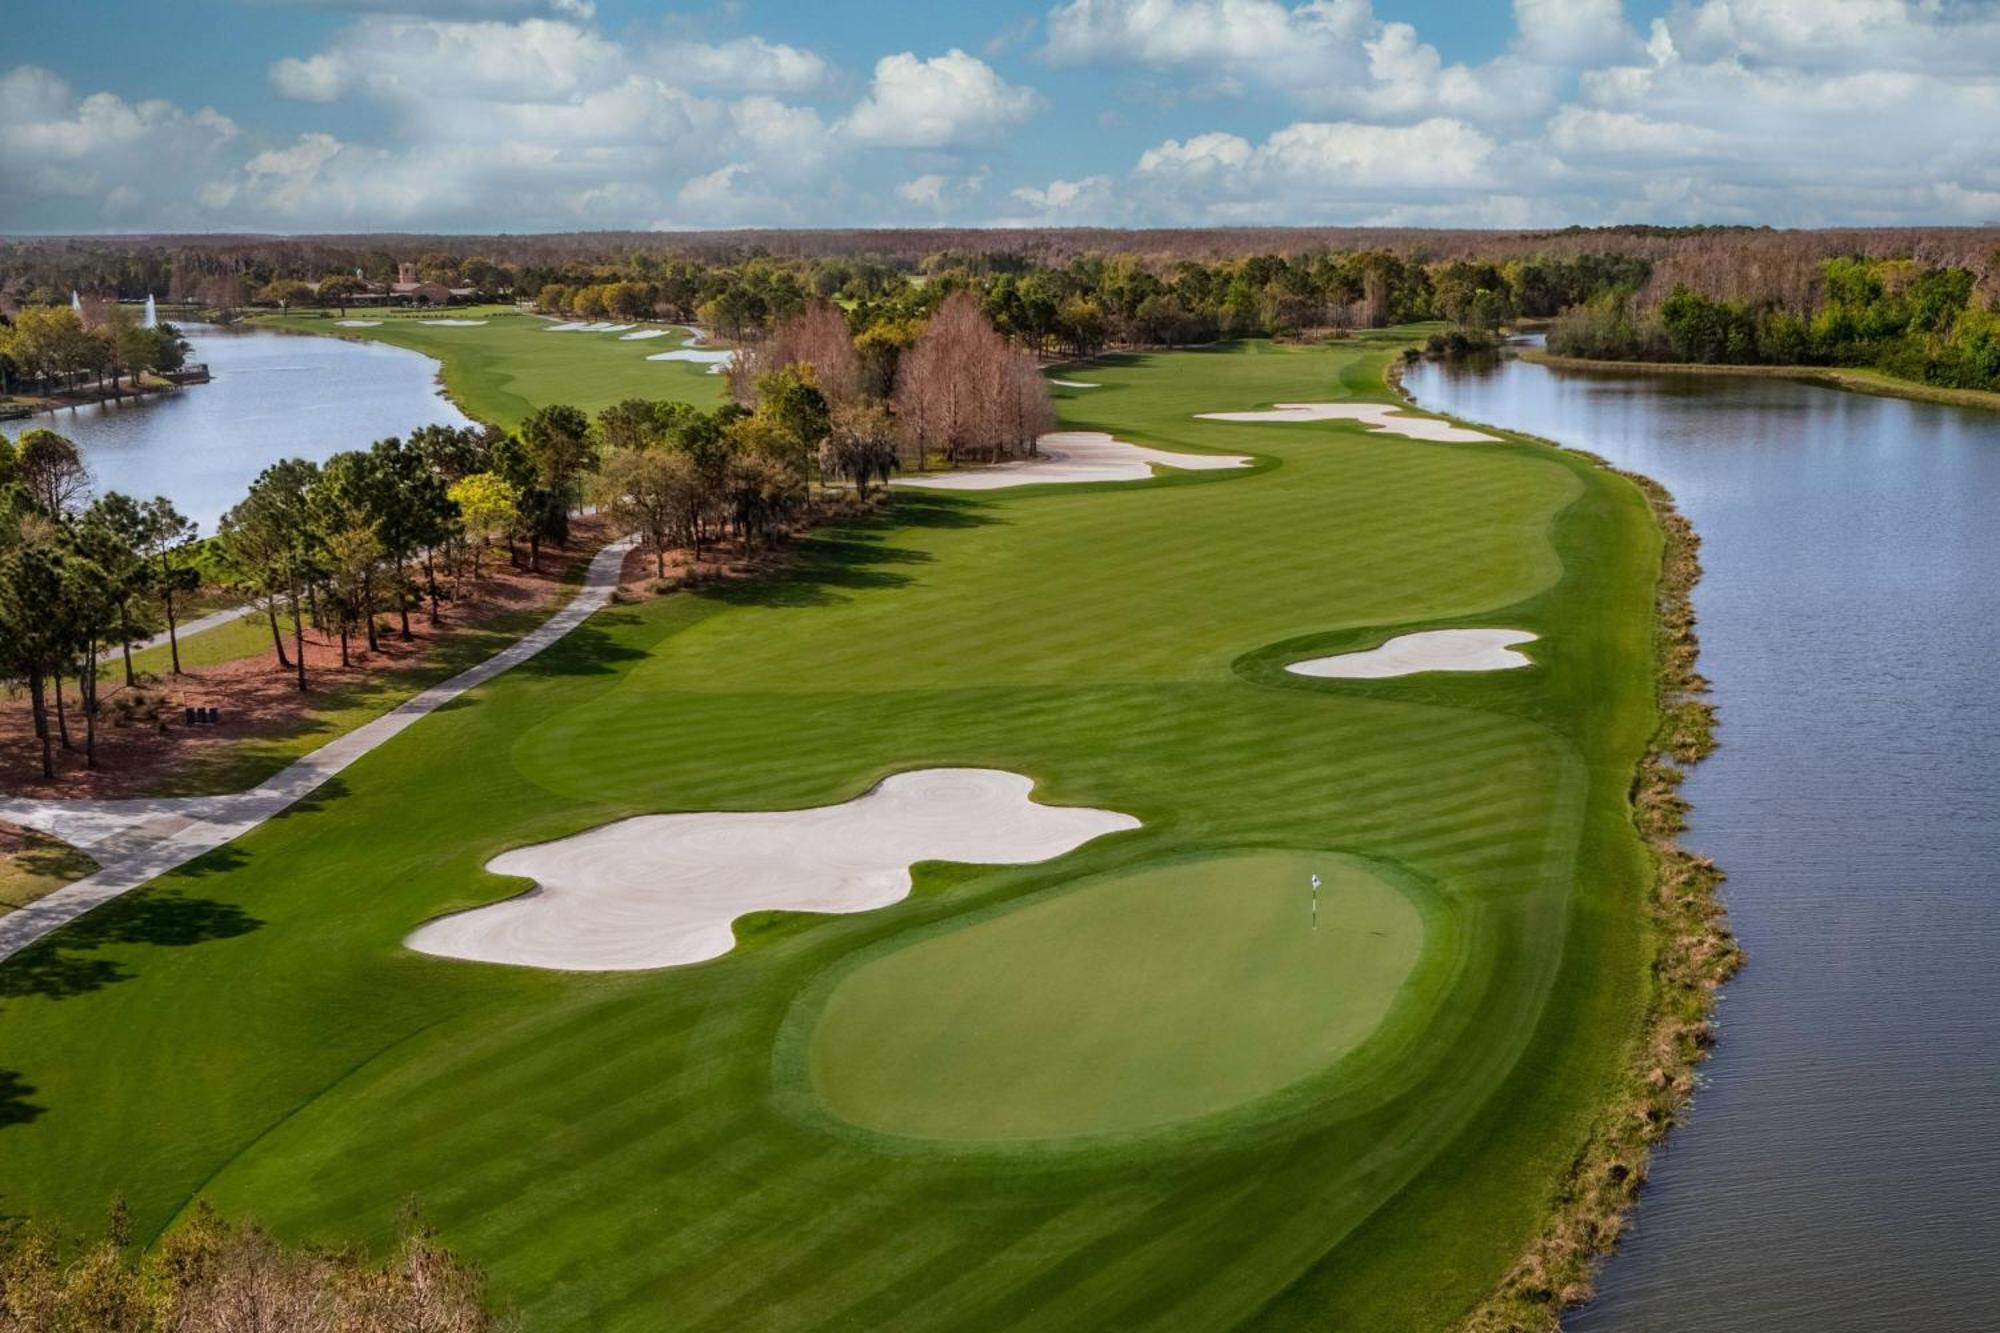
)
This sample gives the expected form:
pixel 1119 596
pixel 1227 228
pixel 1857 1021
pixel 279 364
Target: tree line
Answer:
pixel 1922 322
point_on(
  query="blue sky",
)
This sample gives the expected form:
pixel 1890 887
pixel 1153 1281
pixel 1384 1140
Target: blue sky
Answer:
pixel 480 115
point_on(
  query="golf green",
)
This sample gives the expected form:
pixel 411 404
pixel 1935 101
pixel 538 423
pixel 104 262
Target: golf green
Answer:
pixel 1123 1002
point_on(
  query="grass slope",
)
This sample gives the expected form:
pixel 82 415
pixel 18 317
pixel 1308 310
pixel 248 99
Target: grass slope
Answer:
pixel 628 1151
pixel 506 368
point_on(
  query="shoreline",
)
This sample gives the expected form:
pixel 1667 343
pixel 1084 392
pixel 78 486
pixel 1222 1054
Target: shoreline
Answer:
pixel 1850 379
pixel 1695 954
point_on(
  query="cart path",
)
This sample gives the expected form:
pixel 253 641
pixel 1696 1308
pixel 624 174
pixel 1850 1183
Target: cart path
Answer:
pixel 135 841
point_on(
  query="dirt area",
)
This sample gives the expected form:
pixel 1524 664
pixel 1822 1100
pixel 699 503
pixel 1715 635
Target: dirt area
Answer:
pixel 32 865
pixel 144 741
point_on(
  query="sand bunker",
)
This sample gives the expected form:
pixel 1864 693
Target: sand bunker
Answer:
pixel 1075 456
pixel 662 890
pixel 717 362
pixel 1073 384
pixel 1426 650
pixel 563 328
pixel 454 323
pixel 357 323
pixel 1379 417
pixel 643 333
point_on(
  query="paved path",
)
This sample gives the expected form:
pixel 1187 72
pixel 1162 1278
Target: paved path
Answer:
pixel 139 840
pixel 189 628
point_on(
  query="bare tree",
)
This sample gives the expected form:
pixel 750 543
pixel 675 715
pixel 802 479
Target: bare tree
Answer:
pixel 817 337
pixel 963 391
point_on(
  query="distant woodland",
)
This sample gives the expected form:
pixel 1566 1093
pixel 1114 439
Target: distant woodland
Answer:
pixel 1919 303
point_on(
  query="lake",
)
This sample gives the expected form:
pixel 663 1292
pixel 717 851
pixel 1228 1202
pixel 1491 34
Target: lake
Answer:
pixel 1837 1171
pixel 274 395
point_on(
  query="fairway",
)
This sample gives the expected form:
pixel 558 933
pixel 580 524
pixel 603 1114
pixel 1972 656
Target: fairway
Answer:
pixel 505 368
pixel 1123 1087
pixel 1125 1002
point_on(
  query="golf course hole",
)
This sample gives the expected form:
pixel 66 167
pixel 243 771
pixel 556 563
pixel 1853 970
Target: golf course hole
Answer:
pixel 1132 1001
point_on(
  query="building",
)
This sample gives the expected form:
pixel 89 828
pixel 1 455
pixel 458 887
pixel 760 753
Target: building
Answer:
pixel 408 289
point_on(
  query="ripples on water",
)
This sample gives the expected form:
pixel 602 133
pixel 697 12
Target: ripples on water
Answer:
pixel 1839 1168
pixel 275 395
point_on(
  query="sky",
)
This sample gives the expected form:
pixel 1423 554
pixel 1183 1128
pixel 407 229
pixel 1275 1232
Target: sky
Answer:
pixel 541 115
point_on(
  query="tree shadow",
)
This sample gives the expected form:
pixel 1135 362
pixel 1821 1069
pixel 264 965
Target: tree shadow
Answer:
pixel 587 650
pixel 15 1108
pixel 64 965
pixel 824 571
pixel 933 509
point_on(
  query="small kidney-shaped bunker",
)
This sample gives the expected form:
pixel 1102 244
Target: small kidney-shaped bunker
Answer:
pixel 1131 1001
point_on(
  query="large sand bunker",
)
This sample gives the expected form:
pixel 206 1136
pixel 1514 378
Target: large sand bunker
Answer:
pixel 453 323
pixel 662 890
pixel 1378 417
pixel 1075 456
pixel 357 323
pixel 641 335
pixel 717 362
pixel 1426 650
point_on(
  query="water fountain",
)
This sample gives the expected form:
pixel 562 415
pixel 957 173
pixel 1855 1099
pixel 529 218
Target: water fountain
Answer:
pixel 76 303
pixel 152 320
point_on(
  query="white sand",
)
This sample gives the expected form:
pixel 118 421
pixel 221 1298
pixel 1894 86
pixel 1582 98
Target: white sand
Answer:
pixel 617 328
pixel 356 323
pixel 1426 650
pixel 1073 384
pixel 1073 456
pixel 563 328
pixel 643 333
pixel 453 323
pixel 662 890
pixel 717 359
pixel 1377 416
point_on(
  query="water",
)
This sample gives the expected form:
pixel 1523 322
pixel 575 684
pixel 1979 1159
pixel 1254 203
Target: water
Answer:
pixel 1838 1169
pixel 274 395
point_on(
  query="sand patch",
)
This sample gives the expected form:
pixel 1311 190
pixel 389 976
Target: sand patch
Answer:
pixel 357 323
pixel 571 327
pixel 1073 384
pixel 717 362
pixel 453 323
pixel 1426 650
pixel 643 333
pixel 1075 456
pixel 616 328
pixel 662 890
pixel 1378 417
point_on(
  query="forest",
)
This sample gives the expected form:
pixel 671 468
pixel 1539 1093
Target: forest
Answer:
pixel 1914 302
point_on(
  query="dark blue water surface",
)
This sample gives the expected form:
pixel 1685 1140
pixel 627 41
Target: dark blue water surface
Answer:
pixel 274 395
pixel 1841 1166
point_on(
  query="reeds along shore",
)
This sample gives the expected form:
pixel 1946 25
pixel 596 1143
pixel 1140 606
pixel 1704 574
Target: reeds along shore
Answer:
pixel 1696 954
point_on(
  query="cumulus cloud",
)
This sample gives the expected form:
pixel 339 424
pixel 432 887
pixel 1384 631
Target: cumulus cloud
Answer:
pixel 79 160
pixel 1784 111
pixel 943 102
pixel 1063 203
pixel 747 64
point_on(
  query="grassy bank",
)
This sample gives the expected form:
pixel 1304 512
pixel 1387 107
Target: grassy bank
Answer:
pixel 502 370
pixel 1696 954
pixel 733 1143
pixel 1853 379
